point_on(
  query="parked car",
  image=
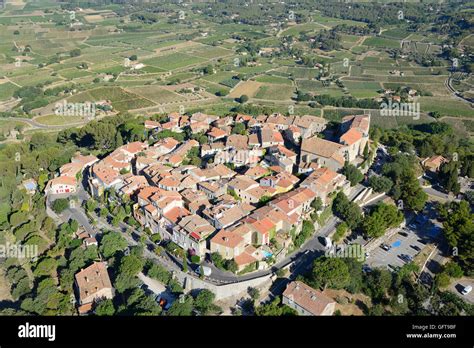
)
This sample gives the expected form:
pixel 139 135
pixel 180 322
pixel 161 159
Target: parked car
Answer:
pixel 416 247
pixel 206 270
pixel 405 257
pixel 385 247
pixel 466 290
pixel 403 233
pixel 161 301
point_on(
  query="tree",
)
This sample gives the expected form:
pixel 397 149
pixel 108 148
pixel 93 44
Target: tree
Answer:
pixel 204 300
pixel 124 281
pixel 111 243
pixel 366 151
pixel 45 267
pixel 341 230
pixel 75 52
pixel 243 99
pixel 459 231
pixel 131 265
pixel 352 174
pixel 377 283
pixel 448 177
pixel 60 205
pixel 330 272
pixel 453 270
pixel 380 183
pixel 317 204
pixel 105 307
pixel 442 280
pixel 413 196
pixel 346 210
pixel 383 216
pixel 239 128
pixel 185 264
pixel 181 307
pixel 274 308
pixel 217 259
pixel 159 273
pixel 118 139
pixel 254 293
pixel 231 265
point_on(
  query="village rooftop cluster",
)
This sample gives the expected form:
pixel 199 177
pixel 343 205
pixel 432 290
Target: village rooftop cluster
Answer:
pixel 248 199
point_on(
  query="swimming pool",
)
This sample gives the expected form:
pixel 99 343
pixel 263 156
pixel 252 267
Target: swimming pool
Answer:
pixel 266 254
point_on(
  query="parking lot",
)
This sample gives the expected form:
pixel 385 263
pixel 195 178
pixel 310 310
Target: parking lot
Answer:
pixel 404 245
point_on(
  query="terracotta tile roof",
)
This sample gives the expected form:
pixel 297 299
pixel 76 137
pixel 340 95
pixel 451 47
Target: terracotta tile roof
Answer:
pixel 256 172
pixel 253 139
pixel 169 125
pixel 216 133
pixel 106 175
pixel 92 279
pixel 197 225
pixel 237 141
pixel 242 182
pixel 63 180
pixel 84 159
pixel 360 122
pixel 227 238
pixel 169 143
pixel 85 308
pixel 71 169
pixel 151 209
pixel 210 186
pixel 434 161
pixel 351 136
pixel 280 119
pixel 277 137
pixel 175 214
pixel 146 192
pixel 263 226
pixel 305 121
pixel 242 118
pixel 244 259
pixel 320 147
pixel 285 151
pixel 134 147
pixel 170 182
pixel 313 301
pixel 293 199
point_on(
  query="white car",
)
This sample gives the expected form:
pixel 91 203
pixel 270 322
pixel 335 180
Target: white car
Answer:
pixel 467 290
pixel 327 243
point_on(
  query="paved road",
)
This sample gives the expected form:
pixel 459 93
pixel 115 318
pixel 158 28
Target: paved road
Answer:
pixel 453 91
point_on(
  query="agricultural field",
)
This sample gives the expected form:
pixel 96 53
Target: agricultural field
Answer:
pixel 140 65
